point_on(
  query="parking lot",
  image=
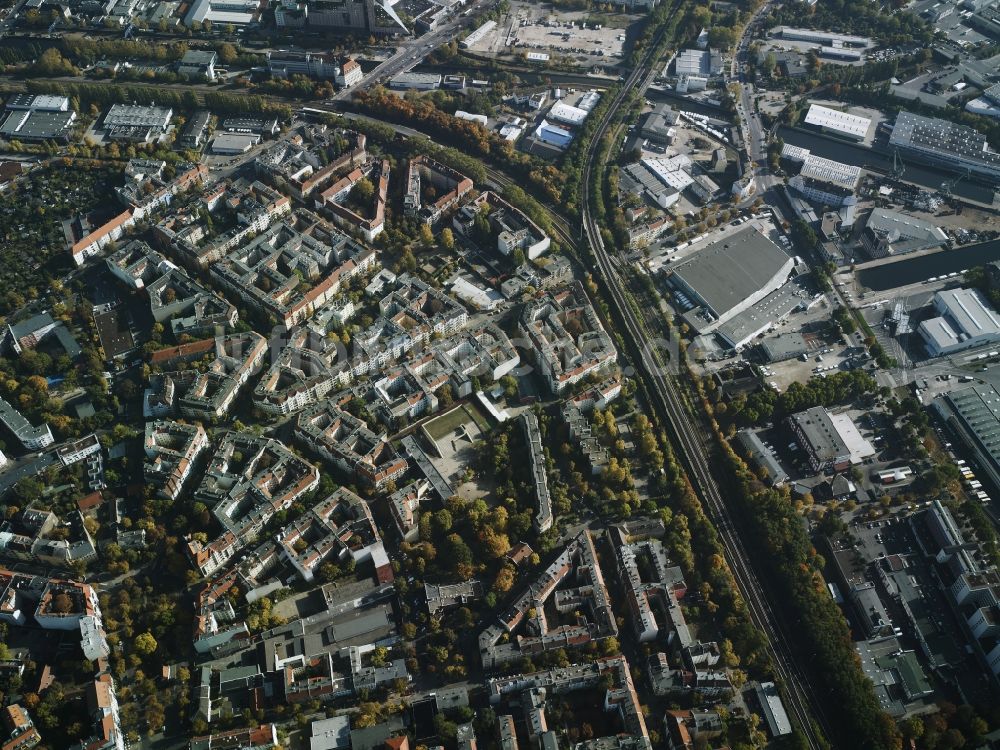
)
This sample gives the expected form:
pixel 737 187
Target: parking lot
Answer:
pixel 954 24
pixel 569 38
pixel 582 36
pixel 828 355
pixel 876 539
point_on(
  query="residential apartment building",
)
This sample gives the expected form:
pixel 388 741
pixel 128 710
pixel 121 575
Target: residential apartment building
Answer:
pixel 247 481
pixel 522 628
pixel 567 338
pixel 349 444
pixel 172 448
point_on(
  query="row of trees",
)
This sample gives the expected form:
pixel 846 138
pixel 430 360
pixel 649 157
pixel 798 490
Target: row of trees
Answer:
pixel 882 96
pixel 854 17
pixel 544 180
pixel 15 50
pixel 793 567
pixel 88 51
pixel 296 86
pixel 470 136
pixel 950 727
pixel 768 405
pixel 217 101
pixel 63 57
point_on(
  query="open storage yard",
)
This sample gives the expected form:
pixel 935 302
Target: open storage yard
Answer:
pixel 582 37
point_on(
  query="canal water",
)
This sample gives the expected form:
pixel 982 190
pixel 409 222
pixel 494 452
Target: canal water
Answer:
pixel 861 156
pixel 915 270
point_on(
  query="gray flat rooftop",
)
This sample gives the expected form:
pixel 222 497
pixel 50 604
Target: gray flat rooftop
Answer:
pixel 199 57
pixel 728 271
pixel 883 680
pixel 760 453
pixel 832 436
pixel 943 138
pixel 358 624
pixel 36 124
pixel 968 309
pixel 774 710
pixel 941 649
pixel 978 409
pixel 906 226
pixel 331 734
pixel 419 78
pixel 784 346
pixel 772 308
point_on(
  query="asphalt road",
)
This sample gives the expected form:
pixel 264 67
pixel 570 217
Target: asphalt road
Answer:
pixel 409 54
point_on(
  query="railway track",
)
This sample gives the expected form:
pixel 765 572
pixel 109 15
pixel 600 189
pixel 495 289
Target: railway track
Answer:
pixel 689 439
pixel 559 224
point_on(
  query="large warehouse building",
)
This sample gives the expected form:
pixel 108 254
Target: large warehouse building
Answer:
pixel 964 320
pixel 697 62
pixel 974 413
pixel 236 12
pixel 729 276
pixel 823 38
pixel 31 117
pixel 837 122
pixel 945 144
pixel 372 16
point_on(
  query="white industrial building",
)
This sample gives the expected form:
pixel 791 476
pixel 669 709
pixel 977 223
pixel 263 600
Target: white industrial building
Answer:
pixel 672 171
pixel 835 121
pixel 830 183
pixel 842 53
pixel 965 320
pixel 697 62
pixel 553 134
pixel 689 84
pixel 796 154
pixel 822 38
pixel 471 117
pixel 236 12
pixel 513 130
pixel 589 100
pixel 137 116
pixel 416 81
pixel 567 114
pixel 636 178
pixel 38 102
pixel 478 35
pixel 234 143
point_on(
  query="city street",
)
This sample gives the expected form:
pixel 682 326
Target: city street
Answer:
pixel 409 54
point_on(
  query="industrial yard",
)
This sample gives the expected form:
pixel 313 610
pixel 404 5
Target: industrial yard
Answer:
pixel 578 39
